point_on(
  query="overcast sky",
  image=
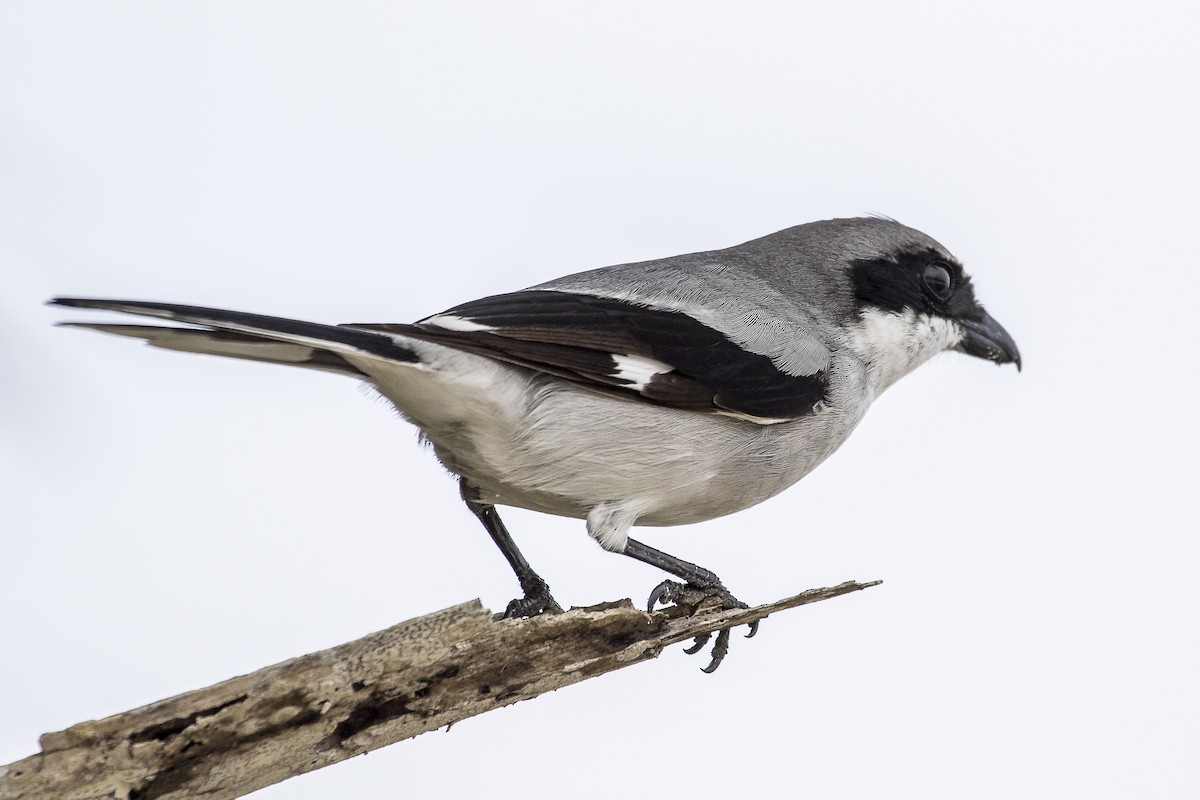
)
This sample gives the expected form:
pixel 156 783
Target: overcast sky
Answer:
pixel 169 521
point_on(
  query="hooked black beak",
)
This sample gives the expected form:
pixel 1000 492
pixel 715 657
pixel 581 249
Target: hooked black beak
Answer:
pixel 986 338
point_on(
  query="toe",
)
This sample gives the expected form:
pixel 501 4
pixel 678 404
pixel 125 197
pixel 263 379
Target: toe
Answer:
pixel 698 644
pixel 719 651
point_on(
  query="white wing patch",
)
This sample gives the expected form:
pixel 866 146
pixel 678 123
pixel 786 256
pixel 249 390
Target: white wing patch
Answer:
pixel 638 370
pixel 450 322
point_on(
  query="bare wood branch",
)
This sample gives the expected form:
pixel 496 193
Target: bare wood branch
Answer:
pixel 255 730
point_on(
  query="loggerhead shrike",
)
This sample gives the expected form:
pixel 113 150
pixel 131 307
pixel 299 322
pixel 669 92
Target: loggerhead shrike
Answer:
pixel 658 393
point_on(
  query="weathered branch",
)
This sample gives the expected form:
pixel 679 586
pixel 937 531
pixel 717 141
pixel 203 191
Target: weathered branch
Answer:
pixel 249 732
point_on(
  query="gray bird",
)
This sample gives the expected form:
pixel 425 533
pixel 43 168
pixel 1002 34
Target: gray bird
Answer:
pixel 658 393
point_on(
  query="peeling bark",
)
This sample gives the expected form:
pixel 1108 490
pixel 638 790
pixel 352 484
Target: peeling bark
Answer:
pixel 255 730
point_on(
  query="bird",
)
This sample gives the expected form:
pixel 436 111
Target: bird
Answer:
pixel 657 393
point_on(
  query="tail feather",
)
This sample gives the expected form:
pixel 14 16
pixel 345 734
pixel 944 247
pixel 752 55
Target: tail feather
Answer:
pixel 228 345
pixel 237 334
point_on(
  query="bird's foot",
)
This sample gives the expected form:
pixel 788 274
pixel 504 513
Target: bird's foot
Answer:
pixel 692 596
pixel 537 600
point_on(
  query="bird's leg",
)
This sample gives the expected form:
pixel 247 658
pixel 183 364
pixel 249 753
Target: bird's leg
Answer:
pixel 537 597
pixel 700 585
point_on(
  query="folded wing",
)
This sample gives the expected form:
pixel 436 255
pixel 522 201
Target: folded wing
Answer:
pixel 659 355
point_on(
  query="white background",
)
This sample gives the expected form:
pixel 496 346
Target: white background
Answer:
pixel 169 521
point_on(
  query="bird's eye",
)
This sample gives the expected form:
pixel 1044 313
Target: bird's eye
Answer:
pixel 937 281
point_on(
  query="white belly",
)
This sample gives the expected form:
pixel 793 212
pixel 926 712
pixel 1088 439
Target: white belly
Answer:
pixel 531 441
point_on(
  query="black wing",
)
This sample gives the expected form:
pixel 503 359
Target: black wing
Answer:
pixel 659 355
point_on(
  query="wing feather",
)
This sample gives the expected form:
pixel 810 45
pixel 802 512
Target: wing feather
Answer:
pixel 594 340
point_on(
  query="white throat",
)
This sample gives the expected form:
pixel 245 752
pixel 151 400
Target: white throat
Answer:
pixel 893 343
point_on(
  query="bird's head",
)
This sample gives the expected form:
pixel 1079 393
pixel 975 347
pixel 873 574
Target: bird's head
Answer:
pixel 912 300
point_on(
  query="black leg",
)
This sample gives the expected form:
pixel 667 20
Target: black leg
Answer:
pixel 692 573
pixel 700 584
pixel 537 597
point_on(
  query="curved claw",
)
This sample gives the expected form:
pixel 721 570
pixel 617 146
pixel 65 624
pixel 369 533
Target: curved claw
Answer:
pixel 661 594
pixel 698 644
pixel 719 651
pixel 753 629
